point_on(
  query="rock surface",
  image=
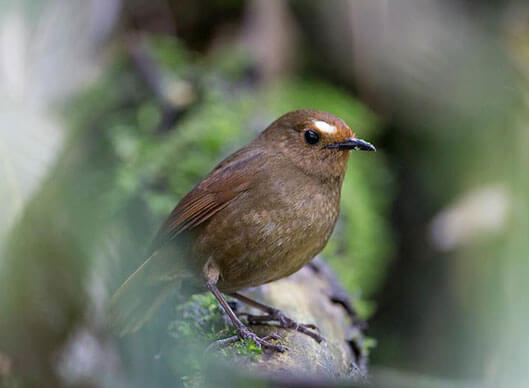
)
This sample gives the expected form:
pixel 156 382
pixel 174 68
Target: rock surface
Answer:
pixel 311 295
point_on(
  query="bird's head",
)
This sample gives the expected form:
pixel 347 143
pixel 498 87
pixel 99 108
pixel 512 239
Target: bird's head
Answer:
pixel 316 142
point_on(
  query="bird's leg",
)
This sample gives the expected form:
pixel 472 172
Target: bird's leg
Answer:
pixel 242 331
pixel 212 273
pixel 273 314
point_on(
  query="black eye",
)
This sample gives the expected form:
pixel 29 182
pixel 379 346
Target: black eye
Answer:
pixel 312 137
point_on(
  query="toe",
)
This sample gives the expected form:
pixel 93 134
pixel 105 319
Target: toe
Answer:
pixel 275 348
pixel 272 336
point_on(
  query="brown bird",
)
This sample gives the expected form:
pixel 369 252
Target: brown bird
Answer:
pixel 260 215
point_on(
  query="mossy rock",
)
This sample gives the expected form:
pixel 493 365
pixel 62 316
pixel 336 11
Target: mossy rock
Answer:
pixel 308 296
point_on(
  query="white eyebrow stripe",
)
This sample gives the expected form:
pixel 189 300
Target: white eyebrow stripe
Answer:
pixel 325 127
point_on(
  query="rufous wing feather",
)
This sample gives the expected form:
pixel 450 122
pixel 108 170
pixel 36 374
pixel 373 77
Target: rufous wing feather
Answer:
pixel 143 292
pixel 229 179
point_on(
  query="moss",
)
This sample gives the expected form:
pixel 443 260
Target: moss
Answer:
pixel 198 323
pixel 200 317
pixel 245 348
pixel 368 344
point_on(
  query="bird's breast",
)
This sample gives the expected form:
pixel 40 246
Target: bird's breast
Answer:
pixel 270 233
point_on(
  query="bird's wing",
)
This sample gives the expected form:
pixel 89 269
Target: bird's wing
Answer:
pixel 230 178
pixel 144 291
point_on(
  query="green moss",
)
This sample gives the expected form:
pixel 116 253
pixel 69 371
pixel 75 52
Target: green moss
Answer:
pixel 198 323
pixel 245 348
pixel 200 317
pixel 368 344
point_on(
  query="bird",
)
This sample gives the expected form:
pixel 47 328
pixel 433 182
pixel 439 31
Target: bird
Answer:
pixel 260 215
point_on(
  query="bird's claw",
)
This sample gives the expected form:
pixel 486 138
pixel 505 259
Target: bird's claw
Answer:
pixel 272 336
pixel 243 333
pixel 285 322
pixel 263 343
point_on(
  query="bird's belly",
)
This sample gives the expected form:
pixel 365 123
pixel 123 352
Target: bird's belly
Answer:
pixel 261 267
pixel 260 246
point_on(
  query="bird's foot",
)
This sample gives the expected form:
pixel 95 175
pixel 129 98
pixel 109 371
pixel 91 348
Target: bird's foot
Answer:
pixel 285 322
pixel 243 333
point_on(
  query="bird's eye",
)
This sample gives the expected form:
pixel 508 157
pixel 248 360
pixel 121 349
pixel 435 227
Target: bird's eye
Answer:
pixel 312 137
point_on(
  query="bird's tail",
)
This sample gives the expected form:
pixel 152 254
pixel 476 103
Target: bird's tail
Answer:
pixel 141 295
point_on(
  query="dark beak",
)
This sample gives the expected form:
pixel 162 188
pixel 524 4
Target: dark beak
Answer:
pixel 353 144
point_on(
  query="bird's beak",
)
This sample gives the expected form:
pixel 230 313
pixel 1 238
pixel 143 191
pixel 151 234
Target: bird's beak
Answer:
pixel 353 143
